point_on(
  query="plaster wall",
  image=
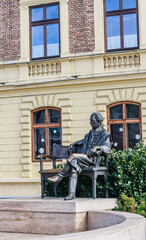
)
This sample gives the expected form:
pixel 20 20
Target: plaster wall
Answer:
pixel 78 83
pixel 77 102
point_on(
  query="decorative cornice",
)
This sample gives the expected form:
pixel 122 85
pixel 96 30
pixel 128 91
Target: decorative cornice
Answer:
pixel 24 3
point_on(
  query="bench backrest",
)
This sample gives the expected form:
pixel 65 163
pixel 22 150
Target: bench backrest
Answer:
pixel 62 152
pixel 59 152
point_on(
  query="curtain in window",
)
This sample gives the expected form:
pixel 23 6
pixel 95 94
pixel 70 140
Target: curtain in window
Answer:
pixel 130 40
pixel 52 50
pixel 113 42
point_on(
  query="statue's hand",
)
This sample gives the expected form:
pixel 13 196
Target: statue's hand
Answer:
pixel 70 146
pixel 96 149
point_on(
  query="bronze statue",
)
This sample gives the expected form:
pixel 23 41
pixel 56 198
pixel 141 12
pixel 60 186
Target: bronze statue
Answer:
pixel 96 142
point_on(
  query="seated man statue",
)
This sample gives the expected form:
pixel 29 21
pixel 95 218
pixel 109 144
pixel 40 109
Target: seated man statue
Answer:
pixel 96 142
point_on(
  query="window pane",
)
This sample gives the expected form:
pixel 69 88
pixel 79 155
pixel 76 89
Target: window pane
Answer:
pixel 129 4
pixel 52 40
pixel 116 112
pixel 52 12
pixel 132 111
pixel 39 141
pixel 133 133
pixel 54 116
pixel 37 41
pixel 130 30
pixel 55 137
pixel 112 5
pixel 113 32
pixel 117 136
pixel 37 14
pixel 39 117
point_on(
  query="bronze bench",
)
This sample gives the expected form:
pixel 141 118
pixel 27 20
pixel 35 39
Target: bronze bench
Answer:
pixel 61 152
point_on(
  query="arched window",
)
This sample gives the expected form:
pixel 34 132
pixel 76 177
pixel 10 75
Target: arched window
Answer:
pixel 46 130
pixel 124 124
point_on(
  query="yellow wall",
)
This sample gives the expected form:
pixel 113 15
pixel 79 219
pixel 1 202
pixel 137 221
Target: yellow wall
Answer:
pixel 79 84
pixel 77 102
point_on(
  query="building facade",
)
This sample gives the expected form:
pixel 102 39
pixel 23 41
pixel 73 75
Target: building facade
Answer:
pixel 60 61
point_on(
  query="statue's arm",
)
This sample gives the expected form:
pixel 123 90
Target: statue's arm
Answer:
pixel 76 147
pixel 104 147
pixel 80 142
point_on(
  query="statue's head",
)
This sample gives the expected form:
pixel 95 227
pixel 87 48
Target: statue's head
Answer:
pixel 96 120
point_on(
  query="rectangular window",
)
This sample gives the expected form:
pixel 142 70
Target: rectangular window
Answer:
pixel 121 25
pixel 44 32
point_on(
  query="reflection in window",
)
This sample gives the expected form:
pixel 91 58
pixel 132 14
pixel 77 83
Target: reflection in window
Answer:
pixel 54 116
pixel 40 141
pixel 133 132
pixel 37 41
pixel 116 112
pixel 46 130
pixel 39 117
pixel 121 24
pixel 124 123
pixel 113 32
pixel 52 12
pixel 45 31
pixel 117 135
pixel 130 30
pixel 129 4
pixel 52 39
pixel 55 136
pixel 112 5
pixel 37 14
pixel 132 111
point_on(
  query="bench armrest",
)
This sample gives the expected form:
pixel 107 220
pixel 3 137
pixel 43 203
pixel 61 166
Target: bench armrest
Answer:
pixel 40 158
pixel 98 159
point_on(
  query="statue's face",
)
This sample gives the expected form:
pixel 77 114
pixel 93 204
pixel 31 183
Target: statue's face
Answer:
pixel 94 123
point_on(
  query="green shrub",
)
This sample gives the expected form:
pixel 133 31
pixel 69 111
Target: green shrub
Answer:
pixel 141 208
pixel 127 172
pixel 128 204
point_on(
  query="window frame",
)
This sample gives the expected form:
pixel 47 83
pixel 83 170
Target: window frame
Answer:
pixel 125 120
pixel 120 13
pixel 44 22
pixel 45 125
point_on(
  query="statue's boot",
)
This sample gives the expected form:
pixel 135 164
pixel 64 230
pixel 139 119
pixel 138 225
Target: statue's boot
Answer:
pixel 72 185
pixel 61 174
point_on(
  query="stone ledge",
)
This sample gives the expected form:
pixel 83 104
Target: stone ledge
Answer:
pixel 20 180
pixel 57 205
pixel 30 215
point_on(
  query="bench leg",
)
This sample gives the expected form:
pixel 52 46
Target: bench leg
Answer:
pixel 55 189
pixel 106 190
pixel 94 178
pixel 42 186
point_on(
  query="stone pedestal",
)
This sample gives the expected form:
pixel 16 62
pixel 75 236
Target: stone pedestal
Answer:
pixel 48 216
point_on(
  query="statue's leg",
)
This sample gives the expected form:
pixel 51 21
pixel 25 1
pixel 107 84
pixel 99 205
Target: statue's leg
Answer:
pixel 61 174
pixel 72 184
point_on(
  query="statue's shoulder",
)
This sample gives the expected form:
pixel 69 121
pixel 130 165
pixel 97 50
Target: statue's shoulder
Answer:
pixel 88 134
pixel 86 138
pixel 105 133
